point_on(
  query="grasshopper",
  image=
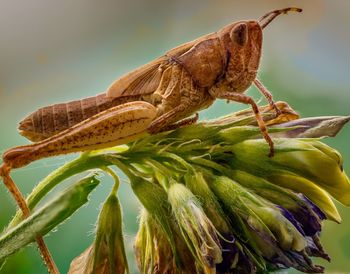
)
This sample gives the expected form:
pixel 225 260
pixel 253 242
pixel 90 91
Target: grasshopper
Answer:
pixel 158 96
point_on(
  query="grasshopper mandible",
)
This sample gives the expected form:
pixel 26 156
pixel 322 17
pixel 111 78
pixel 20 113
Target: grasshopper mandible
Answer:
pixel 158 96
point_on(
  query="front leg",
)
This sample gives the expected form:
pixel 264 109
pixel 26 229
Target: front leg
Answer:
pixel 242 98
pixel 267 95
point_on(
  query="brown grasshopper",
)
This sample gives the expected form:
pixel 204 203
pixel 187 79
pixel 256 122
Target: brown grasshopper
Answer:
pixel 158 96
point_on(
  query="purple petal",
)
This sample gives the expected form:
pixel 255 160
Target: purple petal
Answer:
pixel 303 263
pixel 245 265
pixel 229 252
pixel 307 218
pixel 291 219
pixel 314 207
pixel 315 249
pixel 314 127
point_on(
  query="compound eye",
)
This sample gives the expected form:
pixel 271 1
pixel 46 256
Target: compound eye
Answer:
pixel 239 34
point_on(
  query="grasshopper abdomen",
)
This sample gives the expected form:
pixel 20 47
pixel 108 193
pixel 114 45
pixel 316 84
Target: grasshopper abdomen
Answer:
pixel 50 120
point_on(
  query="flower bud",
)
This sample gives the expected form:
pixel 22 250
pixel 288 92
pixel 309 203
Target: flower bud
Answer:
pixel 107 253
pixel 304 166
pixel 318 163
pixel 152 248
pixel 199 187
pixel 269 230
pixel 308 215
pixel 196 228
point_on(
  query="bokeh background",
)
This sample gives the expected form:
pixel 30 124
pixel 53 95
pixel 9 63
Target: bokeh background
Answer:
pixel 54 51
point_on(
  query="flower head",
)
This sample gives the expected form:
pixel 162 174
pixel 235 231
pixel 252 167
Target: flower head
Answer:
pixel 214 202
pixel 239 211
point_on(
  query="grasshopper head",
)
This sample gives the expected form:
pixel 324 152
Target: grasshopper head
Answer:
pixel 246 38
pixel 243 43
pixel 246 44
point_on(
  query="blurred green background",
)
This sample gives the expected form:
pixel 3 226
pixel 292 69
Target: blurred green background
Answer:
pixel 54 51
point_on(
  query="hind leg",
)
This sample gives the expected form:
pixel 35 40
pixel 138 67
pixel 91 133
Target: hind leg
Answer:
pixel 12 187
pixel 114 126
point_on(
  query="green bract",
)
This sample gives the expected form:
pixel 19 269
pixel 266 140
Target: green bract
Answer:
pixel 212 200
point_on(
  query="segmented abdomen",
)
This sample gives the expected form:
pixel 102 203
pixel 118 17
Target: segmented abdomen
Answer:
pixel 50 120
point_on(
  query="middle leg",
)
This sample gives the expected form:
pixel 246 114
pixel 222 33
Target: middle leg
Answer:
pixel 172 119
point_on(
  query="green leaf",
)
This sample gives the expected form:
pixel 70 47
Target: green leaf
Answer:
pixel 84 162
pixel 47 217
